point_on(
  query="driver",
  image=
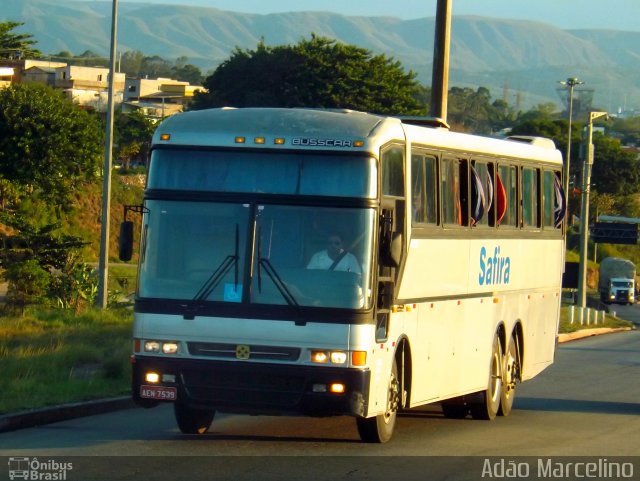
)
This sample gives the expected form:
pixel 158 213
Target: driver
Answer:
pixel 334 257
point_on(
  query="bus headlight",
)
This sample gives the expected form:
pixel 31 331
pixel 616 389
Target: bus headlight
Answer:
pixel 333 357
pixel 151 346
pixel 338 357
pixel 319 356
pixel 169 347
pixel 166 347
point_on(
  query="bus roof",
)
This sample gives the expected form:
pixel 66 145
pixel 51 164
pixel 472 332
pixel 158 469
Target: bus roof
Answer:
pixel 218 126
pixel 321 129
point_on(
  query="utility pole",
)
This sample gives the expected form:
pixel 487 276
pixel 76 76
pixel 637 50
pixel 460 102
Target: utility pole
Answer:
pixel 103 264
pixel 440 72
pixel 584 214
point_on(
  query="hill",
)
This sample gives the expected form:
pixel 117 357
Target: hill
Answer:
pixel 511 57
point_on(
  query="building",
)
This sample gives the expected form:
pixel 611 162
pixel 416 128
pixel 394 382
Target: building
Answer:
pixel 6 76
pixel 89 86
pixel 157 98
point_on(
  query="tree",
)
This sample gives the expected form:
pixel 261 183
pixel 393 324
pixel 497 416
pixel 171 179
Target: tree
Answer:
pixel 318 72
pixel 614 170
pixel 470 109
pixel 46 142
pixel 16 45
pixel 133 137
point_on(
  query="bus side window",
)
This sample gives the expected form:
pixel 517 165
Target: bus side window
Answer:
pixel 451 192
pixel 508 176
pixel 393 171
pixel 548 199
pixel 530 194
pixel 482 194
pixel 423 189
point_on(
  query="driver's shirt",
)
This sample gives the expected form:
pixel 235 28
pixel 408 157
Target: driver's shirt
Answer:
pixel 321 260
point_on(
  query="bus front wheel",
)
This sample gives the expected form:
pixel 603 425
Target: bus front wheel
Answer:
pixel 192 421
pixel 379 429
pixel 488 401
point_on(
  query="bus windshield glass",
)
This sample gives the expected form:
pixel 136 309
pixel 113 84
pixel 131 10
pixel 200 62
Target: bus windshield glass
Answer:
pixel 258 172
pixel 302 255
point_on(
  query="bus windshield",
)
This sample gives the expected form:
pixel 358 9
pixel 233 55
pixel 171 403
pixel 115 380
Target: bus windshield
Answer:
pixel 302 255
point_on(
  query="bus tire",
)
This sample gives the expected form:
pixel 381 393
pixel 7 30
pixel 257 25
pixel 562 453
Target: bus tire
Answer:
pixel 379 429
pixel 192 421
pixel 455 408
pixel 509 377
pixel 488 401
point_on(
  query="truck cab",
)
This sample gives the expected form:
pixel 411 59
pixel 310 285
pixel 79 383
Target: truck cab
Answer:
pixel 621 291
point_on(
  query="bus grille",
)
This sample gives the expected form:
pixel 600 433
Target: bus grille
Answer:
pixel 244 387
pixel 256 353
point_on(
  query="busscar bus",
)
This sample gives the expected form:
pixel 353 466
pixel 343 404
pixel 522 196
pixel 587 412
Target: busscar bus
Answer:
pixel 302 261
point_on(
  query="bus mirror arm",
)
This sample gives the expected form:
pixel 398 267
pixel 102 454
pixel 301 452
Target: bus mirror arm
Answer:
pixel 125 240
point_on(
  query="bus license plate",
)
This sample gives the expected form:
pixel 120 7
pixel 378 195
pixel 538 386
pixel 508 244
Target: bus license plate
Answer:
pixel 160 393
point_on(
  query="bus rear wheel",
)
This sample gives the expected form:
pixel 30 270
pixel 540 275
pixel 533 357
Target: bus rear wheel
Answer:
pixel 192 421
pixel 488 401
pixel 379 429
pixel 510 375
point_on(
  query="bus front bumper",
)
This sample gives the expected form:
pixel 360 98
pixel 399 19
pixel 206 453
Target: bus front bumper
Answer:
pixel 254 388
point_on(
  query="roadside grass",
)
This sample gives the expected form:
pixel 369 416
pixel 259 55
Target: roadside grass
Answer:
pixel 612 322
pixel 51 357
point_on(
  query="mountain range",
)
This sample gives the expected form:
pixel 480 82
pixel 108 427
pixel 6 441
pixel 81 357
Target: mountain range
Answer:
pixel 519 61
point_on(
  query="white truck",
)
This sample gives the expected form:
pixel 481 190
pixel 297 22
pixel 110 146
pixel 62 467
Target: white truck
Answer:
pixel 617 281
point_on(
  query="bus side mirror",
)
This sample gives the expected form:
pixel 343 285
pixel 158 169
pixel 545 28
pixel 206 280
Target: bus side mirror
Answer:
pixel 125 241
pixel 391 252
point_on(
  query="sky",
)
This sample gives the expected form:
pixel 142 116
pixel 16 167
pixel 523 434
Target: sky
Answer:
pixel 566 14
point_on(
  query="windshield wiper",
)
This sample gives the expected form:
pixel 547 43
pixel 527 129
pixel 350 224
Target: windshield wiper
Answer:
pixel 277 281
pixel 273 275
pixel 217 275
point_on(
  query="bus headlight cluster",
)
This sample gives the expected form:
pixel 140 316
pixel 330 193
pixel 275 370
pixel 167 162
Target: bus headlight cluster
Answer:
pixel 358 358
pixel 166 347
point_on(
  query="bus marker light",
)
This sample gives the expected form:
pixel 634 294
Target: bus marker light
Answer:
pixel 259 140
pixel 359 358
pixel 240 140
pixel 165 136
pixel 337 388
pixel 319 388
pixel 278 141
pixel 496 300
pixel 358 143
pixel 136 345
pixel 152 377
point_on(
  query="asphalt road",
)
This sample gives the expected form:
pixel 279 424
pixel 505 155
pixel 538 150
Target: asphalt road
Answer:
pixel 586 404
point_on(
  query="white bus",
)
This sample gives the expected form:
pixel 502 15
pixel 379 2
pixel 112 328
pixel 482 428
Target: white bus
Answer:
pixel 341 263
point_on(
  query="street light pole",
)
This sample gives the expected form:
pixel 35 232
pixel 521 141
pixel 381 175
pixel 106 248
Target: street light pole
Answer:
pixel 103 264
pixel 584 213
pixel 571 82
